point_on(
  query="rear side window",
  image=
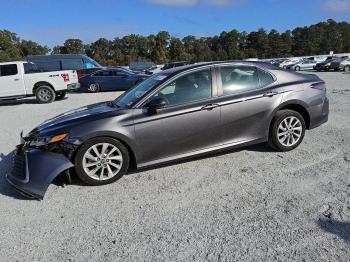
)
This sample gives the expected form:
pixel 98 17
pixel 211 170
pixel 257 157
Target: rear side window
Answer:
pixel 265 78
pixel 8 70
pixel 30 68
pixel 238 79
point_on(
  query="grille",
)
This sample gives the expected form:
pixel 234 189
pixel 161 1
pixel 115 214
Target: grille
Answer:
pixel 19 167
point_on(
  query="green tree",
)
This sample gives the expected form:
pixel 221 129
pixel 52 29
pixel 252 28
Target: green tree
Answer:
pixel 10 49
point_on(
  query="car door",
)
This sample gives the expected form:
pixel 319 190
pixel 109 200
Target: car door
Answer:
pixel 11 82
pixel 190 121
pixel 121 80
pixel 247 100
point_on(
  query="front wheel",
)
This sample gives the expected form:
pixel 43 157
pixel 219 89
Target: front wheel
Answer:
pixel 297 68
pixel 287 131
pixel 102 161
pixel 45 94
pixel 347 68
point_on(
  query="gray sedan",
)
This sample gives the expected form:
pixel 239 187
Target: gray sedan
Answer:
pixel 303 65
pixel 175 114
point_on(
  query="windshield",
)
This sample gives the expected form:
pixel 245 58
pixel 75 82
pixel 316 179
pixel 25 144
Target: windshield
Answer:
pixel 135 94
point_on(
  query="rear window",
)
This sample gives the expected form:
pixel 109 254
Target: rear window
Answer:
pixel 8 70
pixel 265 78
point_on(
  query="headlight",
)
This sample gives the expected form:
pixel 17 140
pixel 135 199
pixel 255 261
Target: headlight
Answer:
pixel 328 64
pixel 42 141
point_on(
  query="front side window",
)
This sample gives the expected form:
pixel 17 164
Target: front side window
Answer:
pixel 238 79
pixel 189 88
pixel 8 70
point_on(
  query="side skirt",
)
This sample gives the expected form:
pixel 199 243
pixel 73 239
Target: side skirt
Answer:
pixel 204 151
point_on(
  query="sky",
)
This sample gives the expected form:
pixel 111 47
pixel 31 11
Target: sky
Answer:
pixel 51 22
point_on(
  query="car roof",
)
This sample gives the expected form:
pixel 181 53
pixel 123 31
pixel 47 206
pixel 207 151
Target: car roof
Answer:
pixel 180 69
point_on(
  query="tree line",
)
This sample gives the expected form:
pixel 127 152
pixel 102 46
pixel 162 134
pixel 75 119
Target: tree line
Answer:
pixel 316 39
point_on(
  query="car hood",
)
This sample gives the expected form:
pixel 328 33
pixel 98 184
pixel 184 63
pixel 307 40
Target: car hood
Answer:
pixel 74 117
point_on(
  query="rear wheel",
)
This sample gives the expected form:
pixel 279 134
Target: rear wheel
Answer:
pixel 45 94
pixel 101 161
pixel 297 68
pixel 347 68
pixel 287 131
pixel 94 88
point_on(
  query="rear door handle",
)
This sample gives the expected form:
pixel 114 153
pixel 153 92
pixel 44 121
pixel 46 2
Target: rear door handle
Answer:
pixel 16 79
pixel 210 107
pixel 270 94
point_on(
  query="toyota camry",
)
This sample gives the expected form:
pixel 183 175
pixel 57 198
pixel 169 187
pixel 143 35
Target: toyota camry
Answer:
pixel 175 114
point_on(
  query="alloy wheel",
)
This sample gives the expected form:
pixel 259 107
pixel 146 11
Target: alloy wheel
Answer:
pixel 102 161
pixel 289 131
pixel 45 95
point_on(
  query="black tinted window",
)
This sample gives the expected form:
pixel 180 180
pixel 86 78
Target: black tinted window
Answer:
pixel 265 78
pixel 30 68
pixel 8 70
pixel 238 79
pixel 192 87
pixel 104 73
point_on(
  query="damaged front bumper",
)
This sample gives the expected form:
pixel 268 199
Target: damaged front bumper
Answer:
pixel 34 170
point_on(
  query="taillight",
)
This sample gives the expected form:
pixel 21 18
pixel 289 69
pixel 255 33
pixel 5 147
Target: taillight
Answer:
pixel 319 85
pixel 65 77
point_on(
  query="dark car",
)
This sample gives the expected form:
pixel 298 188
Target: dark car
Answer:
pixel 175 114
pixel 47 63
pixel 325 65
pixel 175 64
pixel 335 64
pixel 110 79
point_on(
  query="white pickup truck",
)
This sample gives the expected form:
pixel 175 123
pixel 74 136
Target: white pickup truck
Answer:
pixel 22 79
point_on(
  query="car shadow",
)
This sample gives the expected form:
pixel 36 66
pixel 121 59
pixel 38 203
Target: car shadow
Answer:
pixel 341 229
pixel 5 167
pixel 15 102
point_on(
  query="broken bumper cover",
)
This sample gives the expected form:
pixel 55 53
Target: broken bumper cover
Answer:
pixel 35 169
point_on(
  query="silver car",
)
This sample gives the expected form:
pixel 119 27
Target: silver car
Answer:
pixel 303 65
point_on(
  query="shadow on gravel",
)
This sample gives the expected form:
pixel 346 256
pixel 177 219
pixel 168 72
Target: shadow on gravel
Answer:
pixel 5 168
pixel 341 229
pixel 29 101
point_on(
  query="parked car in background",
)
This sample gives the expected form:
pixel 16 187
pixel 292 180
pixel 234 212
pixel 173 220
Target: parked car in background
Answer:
pixel 23 79
pixel 175 64
pixel 142 67
pixel 110 79
pixel 303 65
pixel 326 65
pixel 335 64
pixel 178 113
pixel 289 62
pixel 47 63
pixel 345 65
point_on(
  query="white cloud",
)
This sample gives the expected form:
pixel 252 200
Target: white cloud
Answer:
pixel 193 2
pixel 337 6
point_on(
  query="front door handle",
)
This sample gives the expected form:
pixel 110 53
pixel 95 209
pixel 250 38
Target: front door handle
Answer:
pixel 210 107
pixel 270 94
pixel 16 79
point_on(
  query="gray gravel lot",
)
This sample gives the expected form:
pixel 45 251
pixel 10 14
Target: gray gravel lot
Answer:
pixel 248 204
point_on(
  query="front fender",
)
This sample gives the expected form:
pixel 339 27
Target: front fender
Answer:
pixel 35 169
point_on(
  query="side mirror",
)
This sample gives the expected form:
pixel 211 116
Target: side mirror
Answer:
pixel 156 103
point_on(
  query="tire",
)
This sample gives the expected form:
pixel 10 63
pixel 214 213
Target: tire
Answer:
pixel 61 95
pixel 45 94
pixel 297 68
pixel 103 170
pixel 347 68
pixel 280 130
pixel 94 88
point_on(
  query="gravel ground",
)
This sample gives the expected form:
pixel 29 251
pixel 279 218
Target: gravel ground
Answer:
pixel 248 204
